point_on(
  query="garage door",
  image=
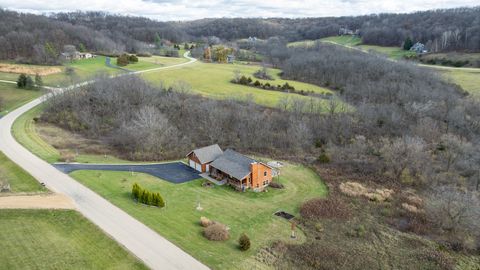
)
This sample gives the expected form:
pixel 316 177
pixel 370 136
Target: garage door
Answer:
pixel 191 163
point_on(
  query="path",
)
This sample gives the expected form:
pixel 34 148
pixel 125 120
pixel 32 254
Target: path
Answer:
pixel 51 201
pixel 154 250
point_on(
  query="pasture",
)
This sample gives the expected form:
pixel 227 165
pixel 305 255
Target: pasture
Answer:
pixel 248 212
pixel 214 81
pixel 58 239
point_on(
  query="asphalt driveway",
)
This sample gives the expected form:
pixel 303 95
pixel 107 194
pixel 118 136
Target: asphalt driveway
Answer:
pixel 175 172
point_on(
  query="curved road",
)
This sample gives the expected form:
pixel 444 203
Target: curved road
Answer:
pixel 154 250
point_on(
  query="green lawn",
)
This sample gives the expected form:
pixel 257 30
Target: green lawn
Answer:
pixel 155 62
pixel 14 97
pixel 248 212
pixel 55 239
pixel 213 81
pixel 468 80
pixel 396 53
pixel 84 69
pixel 24 132
pixel 19 180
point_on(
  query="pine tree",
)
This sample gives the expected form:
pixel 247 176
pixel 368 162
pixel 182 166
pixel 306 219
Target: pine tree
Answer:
pixel 244 242
pixel 29 84
pixel 22 81
pixel 161 201
pixel 158 41
pixel 407 44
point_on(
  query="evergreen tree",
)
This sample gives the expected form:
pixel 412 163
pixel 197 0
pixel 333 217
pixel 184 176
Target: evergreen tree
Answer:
pixel 244 242
pixel 157 41
pixel 29 84
pixel 38 80
pixel 161 201
pixel 407 44
pixel 22 81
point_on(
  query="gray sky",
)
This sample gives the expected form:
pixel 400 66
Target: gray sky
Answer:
pixel 166 10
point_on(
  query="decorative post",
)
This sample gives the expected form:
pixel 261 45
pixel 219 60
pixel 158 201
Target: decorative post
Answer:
pixel 293 227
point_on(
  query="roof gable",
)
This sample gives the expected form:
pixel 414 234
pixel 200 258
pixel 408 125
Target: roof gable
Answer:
pixel 234 164
pixel 208 153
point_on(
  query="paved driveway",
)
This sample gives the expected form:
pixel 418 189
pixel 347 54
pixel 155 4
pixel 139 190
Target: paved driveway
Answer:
pixel 175 172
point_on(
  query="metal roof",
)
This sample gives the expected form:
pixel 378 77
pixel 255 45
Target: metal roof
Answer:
pixel 234 164
pixel 208 153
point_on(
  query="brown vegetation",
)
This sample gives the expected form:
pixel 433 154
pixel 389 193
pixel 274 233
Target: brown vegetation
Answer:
pixel 355 189
pixel 216 232
pixel 331 207
pixel 30 70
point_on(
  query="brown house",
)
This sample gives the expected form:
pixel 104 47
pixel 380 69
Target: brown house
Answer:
pixel 231 167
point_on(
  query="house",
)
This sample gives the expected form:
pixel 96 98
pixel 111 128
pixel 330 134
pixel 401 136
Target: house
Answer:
pixel 200 159
pixel 75 55
pixel 230 58
pixel 418 48
pixel 231 167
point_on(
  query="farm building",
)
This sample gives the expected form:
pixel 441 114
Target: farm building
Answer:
pixel 231 167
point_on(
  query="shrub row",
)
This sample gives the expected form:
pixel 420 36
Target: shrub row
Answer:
pixel 146 197
pixel 243 80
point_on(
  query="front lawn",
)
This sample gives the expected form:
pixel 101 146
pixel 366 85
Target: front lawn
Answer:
pixel 249 212
pixel 19 180
pixel 56 239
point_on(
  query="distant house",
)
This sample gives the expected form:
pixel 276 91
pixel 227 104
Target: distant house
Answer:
pixel 232 167
pixel 230 58
pixel 418 48
pixel 75 55
pixel 345 31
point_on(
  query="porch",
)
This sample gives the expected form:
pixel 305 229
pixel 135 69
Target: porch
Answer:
pixel 219 176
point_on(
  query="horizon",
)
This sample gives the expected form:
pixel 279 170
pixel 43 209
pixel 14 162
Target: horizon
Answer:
pixel 180 10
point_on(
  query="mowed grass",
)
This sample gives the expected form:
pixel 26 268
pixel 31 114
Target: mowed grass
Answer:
pixel 155 62
pixel 467 79
pixel 19 180
pixel 213 81
pixel 24 132
pixel 251 213
pixel 55 239
pixel 14 97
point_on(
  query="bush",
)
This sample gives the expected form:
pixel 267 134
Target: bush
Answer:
pixel 25 82
pixel 244 242
pixel 132 58
pixel 216 232
pixel 146 197
pixel 123 60
pixel 262 74
pixel 324 208
pixel 323 158
pixel 205 222
pixel 276 185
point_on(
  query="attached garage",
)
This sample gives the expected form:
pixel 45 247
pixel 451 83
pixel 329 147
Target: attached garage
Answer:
pixel 200 159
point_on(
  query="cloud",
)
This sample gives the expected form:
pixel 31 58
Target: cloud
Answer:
pixel 166 10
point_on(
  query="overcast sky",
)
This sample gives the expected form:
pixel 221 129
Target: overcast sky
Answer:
pixel 167 10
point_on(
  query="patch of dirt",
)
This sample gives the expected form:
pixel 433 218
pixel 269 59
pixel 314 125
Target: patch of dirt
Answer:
pixel 51 201
pixel 30 70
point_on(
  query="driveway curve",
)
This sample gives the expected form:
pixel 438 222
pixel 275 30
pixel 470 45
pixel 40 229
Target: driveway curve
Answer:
pixel 154 250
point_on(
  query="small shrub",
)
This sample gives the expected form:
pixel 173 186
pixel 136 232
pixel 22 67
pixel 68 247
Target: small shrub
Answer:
pixel 323 158
pixel 319 227
pixel 216 232
pixel 205 222
pixel 276 185
pixel 244 242
pixel 132 58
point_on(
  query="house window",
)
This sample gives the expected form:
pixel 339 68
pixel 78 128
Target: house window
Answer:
pixel 265 173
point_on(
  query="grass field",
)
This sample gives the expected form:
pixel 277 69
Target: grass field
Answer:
pixel 213 81
pixel 248 212
pixel 54 239
pixel 468 80
pixel 19 180
pixel 14 97
pixel 155 62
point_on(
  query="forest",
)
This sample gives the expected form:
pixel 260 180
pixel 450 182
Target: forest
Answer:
pixel 40 39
